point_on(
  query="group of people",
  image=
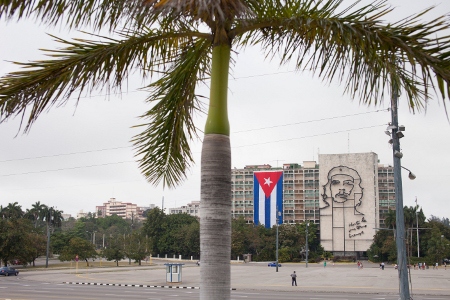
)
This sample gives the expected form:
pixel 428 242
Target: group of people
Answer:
pixel 360 265
pixel 423 266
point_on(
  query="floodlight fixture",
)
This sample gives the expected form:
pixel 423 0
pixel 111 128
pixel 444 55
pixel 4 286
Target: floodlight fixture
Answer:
pixel 390 127
pixel 398 154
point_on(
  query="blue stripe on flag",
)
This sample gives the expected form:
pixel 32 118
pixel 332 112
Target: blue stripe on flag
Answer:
pixel 280 199
pixel 255 200
pixel 267 212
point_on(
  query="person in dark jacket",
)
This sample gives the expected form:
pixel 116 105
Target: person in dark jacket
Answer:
pixel 294 279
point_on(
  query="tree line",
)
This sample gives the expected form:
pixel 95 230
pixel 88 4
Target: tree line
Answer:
pixel 24 236
pixel 426 240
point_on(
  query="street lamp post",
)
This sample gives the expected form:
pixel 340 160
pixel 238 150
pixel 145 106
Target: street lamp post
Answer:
pixel 417 224
pixel 307 225
pixel 400 228
pixel 278 217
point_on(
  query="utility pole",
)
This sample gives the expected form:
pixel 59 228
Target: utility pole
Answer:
pixel 400 222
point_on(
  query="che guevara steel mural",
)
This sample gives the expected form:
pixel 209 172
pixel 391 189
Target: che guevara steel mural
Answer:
pixel 342 198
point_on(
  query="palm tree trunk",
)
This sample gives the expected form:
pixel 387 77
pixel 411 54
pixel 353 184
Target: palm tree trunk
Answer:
pixel 215 218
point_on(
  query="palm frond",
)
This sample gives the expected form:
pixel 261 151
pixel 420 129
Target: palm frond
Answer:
pixel 206 10
pixel 353 45
pixel 95 13
pixel 164 144
pixel 75 14
pixel 110 13
pixel 84 65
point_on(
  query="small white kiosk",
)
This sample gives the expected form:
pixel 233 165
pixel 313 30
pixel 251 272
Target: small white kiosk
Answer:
pixel 173 272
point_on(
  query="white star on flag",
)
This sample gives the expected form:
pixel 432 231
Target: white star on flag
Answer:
pixel 267 181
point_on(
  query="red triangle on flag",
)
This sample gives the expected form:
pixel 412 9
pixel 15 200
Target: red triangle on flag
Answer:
pixel 268 180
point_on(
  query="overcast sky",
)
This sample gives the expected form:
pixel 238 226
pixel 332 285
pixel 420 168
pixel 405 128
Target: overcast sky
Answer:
pixel 77 157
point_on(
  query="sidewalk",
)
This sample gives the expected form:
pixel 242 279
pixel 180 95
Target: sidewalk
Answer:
pixel 258 276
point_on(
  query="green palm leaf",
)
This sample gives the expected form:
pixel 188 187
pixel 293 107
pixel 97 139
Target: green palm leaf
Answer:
pixel 164 144
pixel 111 13
pixel 82 66
pixel 352 45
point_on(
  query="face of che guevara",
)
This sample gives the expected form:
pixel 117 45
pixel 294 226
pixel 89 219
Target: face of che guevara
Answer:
pixel 341 187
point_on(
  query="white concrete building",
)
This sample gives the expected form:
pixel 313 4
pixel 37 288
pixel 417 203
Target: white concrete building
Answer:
pixel 349 204
pixel 192 209
pixel 124 210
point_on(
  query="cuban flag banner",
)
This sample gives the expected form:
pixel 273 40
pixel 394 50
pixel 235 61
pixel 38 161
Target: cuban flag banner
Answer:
pixel 267 198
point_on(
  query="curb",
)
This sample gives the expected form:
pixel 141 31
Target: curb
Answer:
pixel 139 285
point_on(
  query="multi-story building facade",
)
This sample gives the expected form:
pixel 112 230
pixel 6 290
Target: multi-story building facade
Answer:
pixel 124 210
pixel 300 196
pixel 192 209
pixel 302 191
pixel 386 191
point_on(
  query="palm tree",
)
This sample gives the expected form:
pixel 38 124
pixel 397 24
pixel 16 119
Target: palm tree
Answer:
pixel 53 218
pixel 36 211
pixel 390 219
pixel 12 211
pixel 186 42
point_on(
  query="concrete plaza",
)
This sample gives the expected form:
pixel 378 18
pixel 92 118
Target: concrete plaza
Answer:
pixel 335 278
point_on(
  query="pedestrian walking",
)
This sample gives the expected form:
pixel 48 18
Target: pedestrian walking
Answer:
pixel 382 266
pixel 294 278
pixel 359 264
pixel 437 265
pixel 324 263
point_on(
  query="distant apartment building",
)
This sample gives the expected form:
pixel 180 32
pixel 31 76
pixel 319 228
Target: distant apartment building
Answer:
pixel 81 214
pixel 124 210
pixel 386 191
pixel 300 196
pixel 192 209
pixel 66 216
